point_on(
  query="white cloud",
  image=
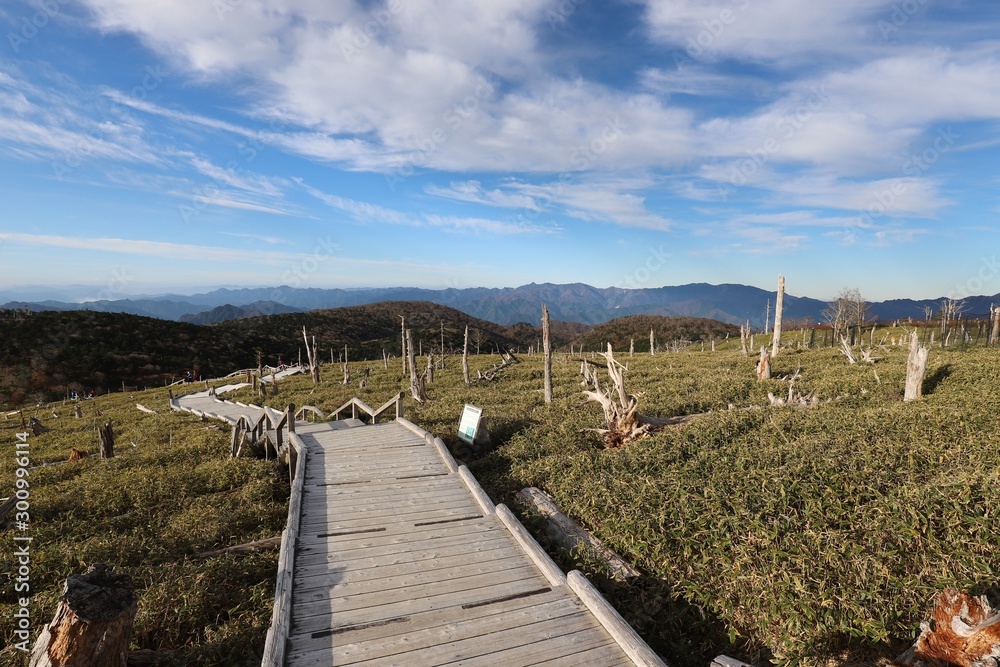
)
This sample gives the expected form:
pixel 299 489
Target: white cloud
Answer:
pixel 364 212
pixel 765 30
pixel 473 191
pixel 174 251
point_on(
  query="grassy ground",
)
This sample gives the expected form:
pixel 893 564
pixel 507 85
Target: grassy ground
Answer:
pixel 812 537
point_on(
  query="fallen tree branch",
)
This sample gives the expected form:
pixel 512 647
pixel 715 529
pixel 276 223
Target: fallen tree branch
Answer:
pixel 570 536
pixel 269 544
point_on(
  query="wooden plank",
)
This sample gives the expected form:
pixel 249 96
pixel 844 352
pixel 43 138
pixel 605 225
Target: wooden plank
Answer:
pixel 306 649
pixel 580 647
pixel 334 521
pixel 492 648
pixel 331 583
pixel 359 569
pixel 319 617
pixel 314 601
pixel 631 643
pixel 409 538
pixel 476 490
pixel 531 547
pixel 408 648
pixel 379 545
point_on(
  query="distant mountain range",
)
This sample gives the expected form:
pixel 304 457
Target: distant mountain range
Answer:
pixel 577 302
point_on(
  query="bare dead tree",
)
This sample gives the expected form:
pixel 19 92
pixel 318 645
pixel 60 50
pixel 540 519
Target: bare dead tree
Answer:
pixel 416 382
pixel 778 305
pixel 313 356
pixel 465 356
pixel 621 409
pixel 547 349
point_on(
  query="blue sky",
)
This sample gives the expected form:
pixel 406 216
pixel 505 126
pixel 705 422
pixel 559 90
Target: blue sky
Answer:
pixel 153 146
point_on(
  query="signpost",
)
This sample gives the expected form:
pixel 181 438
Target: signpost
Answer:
pixel 469 424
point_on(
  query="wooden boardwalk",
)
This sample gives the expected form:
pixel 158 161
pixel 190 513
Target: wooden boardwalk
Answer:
pixel 395 556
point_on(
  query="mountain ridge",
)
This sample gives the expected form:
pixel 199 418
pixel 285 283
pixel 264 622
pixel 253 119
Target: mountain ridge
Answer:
pixel 571 302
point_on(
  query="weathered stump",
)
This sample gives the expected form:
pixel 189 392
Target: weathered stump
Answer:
pixel 107 438
pixel 764 365
pixel 93 623
pixel 37 428
pixel 964 631
pixel 916 365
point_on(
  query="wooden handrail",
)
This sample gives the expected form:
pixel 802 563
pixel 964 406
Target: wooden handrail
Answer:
pixel 356 404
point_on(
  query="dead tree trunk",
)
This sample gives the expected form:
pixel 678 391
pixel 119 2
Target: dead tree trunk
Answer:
pixel 402 337
pixel 916 365
pixel 416 385
pixel 631 347
pixel 312 354
pixel 442 345
pixel 93 622
pixel 465 356
pixel 429 373
pixel 764 365
pixel 995 333
pixel 776 343
pixel 964 631
pixel 107 438
pixel 744 338
pixel 621 409
pixel 547 349
pixel 652 343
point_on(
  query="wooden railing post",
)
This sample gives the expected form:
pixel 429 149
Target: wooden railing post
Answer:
pixel 291 418
pixel 399 405
pixel 354 410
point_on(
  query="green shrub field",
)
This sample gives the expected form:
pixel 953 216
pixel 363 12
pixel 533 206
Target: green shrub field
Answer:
pixel 781 535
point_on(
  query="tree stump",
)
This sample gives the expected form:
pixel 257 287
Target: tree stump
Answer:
pixel 916 365
pixel 37 428
pixel 964 631
pixel 107 437
pixel 93 623
pixel 764 365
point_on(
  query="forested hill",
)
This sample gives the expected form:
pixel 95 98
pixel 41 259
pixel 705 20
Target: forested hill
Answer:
pixel 621 331
pixel 44 355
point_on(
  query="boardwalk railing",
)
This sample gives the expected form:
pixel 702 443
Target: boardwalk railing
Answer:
pixel 281 616
pixel 356 404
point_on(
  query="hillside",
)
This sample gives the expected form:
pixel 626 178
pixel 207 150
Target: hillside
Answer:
pixel 47 354
pixel 619 331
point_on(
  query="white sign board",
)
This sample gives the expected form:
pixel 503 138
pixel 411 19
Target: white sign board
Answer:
pixel 469 424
